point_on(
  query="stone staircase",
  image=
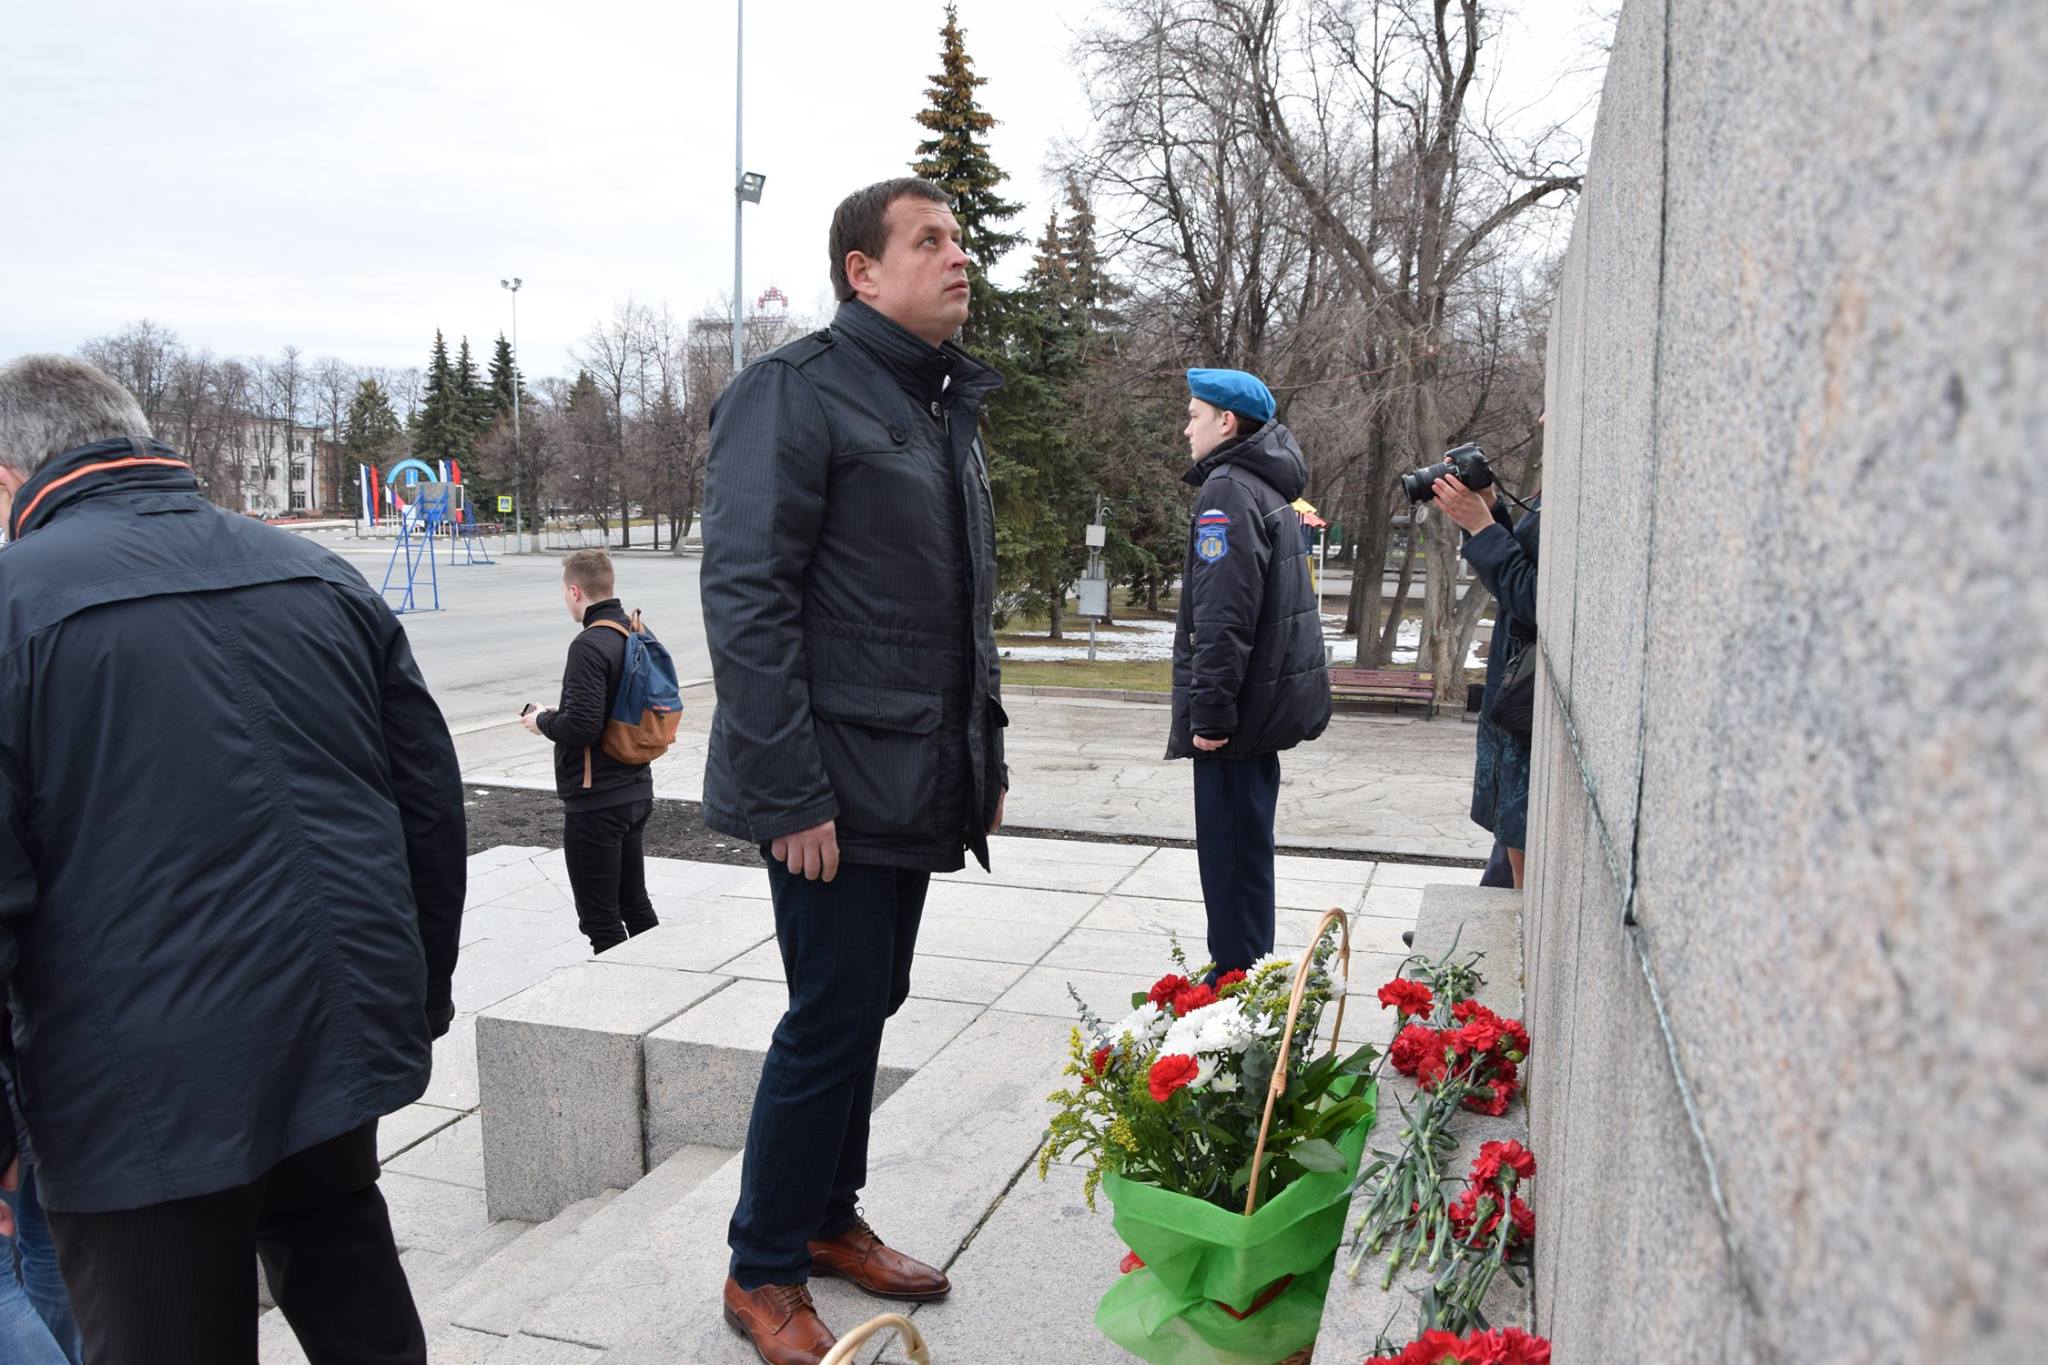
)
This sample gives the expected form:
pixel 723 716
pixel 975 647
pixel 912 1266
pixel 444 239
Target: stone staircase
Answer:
pixel 630 1077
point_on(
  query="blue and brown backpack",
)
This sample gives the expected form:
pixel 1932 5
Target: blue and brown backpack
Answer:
pixel 648 704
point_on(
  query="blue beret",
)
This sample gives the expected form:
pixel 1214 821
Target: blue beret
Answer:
pixel 1234 390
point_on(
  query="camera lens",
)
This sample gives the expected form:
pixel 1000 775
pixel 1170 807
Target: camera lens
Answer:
pixel 1420 486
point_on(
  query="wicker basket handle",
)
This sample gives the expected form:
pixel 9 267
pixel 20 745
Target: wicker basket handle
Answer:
pixel 913 1341
pixel 1279 1085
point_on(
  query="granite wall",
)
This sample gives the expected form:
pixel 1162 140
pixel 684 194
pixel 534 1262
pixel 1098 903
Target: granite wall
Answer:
pixel 1787 938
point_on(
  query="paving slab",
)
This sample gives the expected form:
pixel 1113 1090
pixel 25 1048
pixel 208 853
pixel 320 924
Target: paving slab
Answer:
pixel 703 1067
pixel 967 980
pixel 559 1067
pixel 1026 1287
pixel 431 1214
pixel 454 1155
pixel 413 1124
pixel 452 1084
pixel 697 935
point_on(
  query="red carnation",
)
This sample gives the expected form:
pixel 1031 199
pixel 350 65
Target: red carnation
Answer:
pixel 1480 1035
pixel 1525 1220
pixel 1165 988
pixel 1099 1061
pixel 1170 1074
pixel 1495 1103
pixel 1494 1156
pixel 1515 1042
pixel 1411 1047
pixel 1407 997
pixel 1465 1011
pixel 1228 979
pixel 1192 998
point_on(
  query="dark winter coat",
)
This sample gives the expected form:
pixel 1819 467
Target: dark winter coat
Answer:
pixel 590 682
pixel 1248 647
pixel 232 853
pixel 848 581
pixel 1503 556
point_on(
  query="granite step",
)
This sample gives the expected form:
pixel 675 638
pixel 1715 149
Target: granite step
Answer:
pixel 429 1272
pixel 504 1300
pixel 510 1266
pixel 943 1150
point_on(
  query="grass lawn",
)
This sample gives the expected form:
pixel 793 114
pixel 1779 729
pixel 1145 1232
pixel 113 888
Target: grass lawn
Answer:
pixel 1132 675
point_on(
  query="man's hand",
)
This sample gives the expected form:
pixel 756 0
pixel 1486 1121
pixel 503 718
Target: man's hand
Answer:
pixel 1210 746
pixel 9 1180
pixel 813 852
pixel 530 718
pixel 1462 505
pixel 1002 799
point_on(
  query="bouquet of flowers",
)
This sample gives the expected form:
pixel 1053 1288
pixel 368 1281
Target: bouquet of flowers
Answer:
pixel 1228 1149
pixel 1501 1346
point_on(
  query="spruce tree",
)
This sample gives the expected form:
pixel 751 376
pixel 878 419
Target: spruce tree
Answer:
pixel 476 406
pixel 504 378
pixel 434 423
pixel 371 434
pixel 955 158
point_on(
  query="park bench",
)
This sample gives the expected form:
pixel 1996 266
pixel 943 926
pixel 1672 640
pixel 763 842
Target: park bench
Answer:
pixel 1397 685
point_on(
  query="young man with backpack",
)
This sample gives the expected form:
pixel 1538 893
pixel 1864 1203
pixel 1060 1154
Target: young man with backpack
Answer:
pixel 618 713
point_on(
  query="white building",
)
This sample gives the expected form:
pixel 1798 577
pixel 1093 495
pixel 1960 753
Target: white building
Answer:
pixel 279 470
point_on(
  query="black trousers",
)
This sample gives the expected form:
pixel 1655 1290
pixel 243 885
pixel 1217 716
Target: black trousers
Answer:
pixel 846 947
pixel 175 1284
pixel 1235 799
pixel 608 872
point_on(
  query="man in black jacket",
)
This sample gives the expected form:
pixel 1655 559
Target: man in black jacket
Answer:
pixel 232 864
pixel 849 568
pixel 605 803
pixel 1248 673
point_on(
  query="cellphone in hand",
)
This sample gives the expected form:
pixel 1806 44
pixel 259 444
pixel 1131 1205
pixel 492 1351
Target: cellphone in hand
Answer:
pixel 528 709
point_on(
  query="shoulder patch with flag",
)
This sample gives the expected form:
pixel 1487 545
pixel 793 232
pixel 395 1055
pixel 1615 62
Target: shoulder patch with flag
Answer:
pixel 1212 536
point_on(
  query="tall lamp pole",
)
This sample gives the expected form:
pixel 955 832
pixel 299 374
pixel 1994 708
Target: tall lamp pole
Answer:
pixel 518 465
pixel 746 188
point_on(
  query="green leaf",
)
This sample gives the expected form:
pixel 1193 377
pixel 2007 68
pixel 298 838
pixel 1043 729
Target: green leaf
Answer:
pixel 1139 997
pixel 1317 1155
pixel 1359 1062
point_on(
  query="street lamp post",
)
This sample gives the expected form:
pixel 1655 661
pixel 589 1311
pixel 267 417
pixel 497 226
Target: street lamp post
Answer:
pixel 746 186
pixel 518 465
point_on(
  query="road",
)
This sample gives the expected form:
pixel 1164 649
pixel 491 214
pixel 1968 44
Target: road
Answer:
pixel 502 633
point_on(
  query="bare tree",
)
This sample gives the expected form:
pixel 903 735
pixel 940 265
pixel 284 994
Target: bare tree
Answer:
pixel 143 356
pixel 334 384
pixel 614 353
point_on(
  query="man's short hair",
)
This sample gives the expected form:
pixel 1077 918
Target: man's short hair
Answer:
pixel 861 222
pixel 590 570
pixel 52 403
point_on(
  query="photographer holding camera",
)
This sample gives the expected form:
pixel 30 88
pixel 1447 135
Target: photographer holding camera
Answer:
pixel 1502 551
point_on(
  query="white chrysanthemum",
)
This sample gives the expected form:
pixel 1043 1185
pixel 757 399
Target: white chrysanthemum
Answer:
pixel 1270 960
pixel 1223 1027
pixel 1205 1072
pixel 1145 1024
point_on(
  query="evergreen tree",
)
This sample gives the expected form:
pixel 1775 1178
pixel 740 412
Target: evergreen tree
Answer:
pixel 955 158
pixel 476 406
pixel 371 434
pixel 436 422
pixel 504 378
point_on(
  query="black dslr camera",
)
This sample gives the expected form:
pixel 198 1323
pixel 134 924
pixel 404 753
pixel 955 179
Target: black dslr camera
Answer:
pixel 1468 462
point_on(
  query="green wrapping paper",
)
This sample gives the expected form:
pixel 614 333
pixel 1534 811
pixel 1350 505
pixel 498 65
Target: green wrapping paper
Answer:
pixel 1200 1258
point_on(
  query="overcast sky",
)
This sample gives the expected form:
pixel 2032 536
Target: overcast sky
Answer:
pixel 349 175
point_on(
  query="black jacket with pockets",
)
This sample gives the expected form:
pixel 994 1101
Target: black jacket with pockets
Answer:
pixel 848 581
pixel 590 682
pixel 1248 644
pixel 232 851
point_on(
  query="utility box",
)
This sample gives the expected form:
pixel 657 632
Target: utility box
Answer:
pixel 1098 536
pixel 1093 594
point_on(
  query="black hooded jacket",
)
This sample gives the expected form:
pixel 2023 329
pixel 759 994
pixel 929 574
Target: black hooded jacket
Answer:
pixel 1248 649
pixel 232 854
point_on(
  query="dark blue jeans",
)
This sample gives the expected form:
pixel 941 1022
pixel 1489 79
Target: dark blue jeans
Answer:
pixel 1234 803
pixel 846 947
pixel 36 1327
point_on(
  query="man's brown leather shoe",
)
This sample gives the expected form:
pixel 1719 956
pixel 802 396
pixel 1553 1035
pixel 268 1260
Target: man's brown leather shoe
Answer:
pixel 859 1256
pixel 780 1320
